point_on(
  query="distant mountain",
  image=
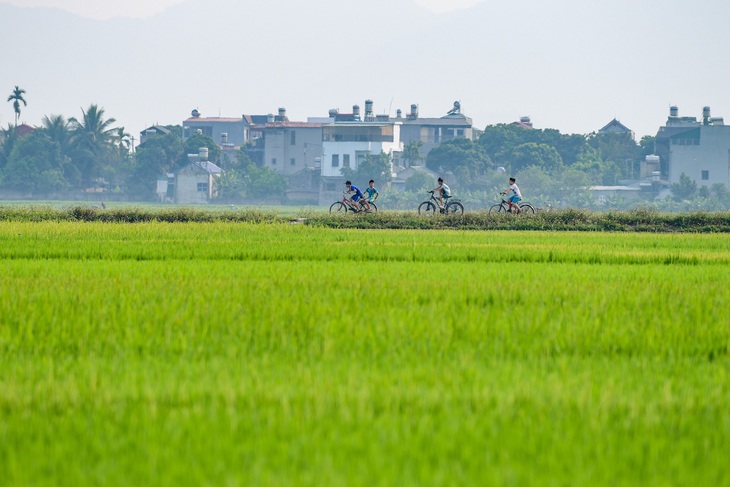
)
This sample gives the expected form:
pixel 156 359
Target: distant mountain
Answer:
pixel 569 64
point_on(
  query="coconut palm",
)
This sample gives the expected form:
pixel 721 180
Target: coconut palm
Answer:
pixel 59 131
pixel 17 97
pixel 8 137
pixel 123 141
pixel 92 141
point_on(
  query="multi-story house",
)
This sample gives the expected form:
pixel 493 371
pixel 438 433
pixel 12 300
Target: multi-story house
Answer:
pixel 293 149
pixel 349 140
pixel 233 130
pixel 433 131
pixel 698 148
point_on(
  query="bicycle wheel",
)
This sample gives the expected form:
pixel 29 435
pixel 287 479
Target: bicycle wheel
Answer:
pixel 455 208
pixel 373 208
pixel 498 208
pixel 426 207
pixel 339 207
pixel 527 208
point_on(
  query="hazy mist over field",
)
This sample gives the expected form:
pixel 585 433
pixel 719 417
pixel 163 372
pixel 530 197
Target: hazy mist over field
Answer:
pixel 569 64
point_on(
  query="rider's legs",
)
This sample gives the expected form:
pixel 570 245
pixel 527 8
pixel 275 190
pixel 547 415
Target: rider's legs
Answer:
pixel 512 201
pixel 355 198
pixel 445 202
pixel 441 199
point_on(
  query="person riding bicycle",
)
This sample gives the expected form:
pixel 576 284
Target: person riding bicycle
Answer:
pixel 356 193
pixel 370 195
pixel 444 193
pixel 516 197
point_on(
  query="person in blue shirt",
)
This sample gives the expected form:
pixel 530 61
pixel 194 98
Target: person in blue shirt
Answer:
pixel 355 192
pixel 371 194
pixel 513 201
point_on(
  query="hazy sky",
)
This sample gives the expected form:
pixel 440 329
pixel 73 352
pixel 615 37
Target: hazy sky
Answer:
pixel 105 9
pixel 571 65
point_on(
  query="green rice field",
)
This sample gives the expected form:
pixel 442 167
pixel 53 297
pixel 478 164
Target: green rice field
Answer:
pixel 226 354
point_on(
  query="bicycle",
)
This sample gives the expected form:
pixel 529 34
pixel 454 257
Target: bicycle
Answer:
pixel 342 207
pixel 452 207
pixel 503 207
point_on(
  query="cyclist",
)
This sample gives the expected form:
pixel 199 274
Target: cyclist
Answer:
pixel 444 193
pixel 355 192
pixel 372 195
pixel 516 195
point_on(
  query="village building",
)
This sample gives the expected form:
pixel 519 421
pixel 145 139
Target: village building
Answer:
pixel 699 149
pixel 194 183
pixel 431 132
pixel 349 140
pixel 616 127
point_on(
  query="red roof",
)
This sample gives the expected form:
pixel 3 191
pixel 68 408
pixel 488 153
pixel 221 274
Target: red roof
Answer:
pixel 23 130
pixel 214 119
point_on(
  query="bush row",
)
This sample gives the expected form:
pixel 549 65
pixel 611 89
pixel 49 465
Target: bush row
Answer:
pixel 639 220
pixel 560 220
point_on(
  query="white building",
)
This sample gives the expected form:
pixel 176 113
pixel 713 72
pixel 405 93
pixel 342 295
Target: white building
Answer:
pixel 348 141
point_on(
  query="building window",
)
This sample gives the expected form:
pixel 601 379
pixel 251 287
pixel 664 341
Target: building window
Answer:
pixel 273 161
pixel 459 133
pixel 202 187
pixel 345 160
pixel 293 161
pixel 335 160
pixel 705 175
pixel 293 138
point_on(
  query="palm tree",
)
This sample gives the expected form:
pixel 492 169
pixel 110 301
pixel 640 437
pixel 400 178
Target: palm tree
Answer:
pixel 8 137
pixel 92 140
pixel 59 131
pixel 16 97
pixel 57 128
pixel 123 141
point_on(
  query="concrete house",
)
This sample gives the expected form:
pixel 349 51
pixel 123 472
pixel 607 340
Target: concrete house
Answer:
pixel 349 140
pixel 196 182
pixel 233 130
pixel 433 131
pixel 698 148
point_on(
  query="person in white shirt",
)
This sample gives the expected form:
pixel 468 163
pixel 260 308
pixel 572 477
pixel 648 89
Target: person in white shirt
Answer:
pixel 443 191
pixel 516 196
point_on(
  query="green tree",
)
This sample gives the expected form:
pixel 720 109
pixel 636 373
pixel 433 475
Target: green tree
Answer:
pixel 647 145
pixel 264 183
pixel 58 129
pixel 17 98
pixel 92 141
pixel 533 154
pixel 499 141
pixel 458 155
pixel 419 182
pixel 617 152
pixel 195 142
pixel 685 189
pixel 412 153
pixel 231 186
pixel 159 154
pixel 373 167
pixel 35 165
pixel 8 137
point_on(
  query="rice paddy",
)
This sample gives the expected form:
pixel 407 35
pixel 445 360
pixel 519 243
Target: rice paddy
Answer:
pixel 274 354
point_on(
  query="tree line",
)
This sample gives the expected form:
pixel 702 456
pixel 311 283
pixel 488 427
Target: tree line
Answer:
pixel 89 153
